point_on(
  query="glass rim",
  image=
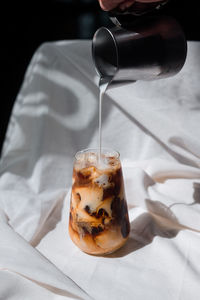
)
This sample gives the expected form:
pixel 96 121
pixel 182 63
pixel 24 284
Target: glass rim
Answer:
pixel 96 150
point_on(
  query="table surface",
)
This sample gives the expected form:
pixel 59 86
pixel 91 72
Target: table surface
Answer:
pixel 155 127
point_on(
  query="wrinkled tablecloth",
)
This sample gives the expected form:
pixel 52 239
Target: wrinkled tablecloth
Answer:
pixel 155 127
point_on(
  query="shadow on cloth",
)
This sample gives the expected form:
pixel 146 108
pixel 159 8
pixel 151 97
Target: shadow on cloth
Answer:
pixel 158 221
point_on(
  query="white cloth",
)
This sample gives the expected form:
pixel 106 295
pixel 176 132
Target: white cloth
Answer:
pixel 155 127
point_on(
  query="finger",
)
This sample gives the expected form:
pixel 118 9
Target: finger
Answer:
pixel 109 4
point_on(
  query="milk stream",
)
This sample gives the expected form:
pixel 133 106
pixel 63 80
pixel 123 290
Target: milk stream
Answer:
pixel 103 84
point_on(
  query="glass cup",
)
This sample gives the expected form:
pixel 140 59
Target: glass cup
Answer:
pixel 99 221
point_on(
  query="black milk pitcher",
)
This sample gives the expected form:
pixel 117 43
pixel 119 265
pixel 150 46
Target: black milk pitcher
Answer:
pixel 144 48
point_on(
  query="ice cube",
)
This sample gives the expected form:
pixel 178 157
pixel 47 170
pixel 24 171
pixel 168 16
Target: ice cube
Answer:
pixel 102 180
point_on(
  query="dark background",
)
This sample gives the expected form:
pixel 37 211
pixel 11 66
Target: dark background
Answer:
pixel 26 25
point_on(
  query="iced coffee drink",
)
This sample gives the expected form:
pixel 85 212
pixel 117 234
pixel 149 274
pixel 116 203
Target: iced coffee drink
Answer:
pixel 99 222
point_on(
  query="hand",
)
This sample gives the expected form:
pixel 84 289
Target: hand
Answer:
pixel 122 4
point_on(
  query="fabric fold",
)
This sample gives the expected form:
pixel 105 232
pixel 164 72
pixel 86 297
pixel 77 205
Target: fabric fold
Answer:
pixel 17 256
